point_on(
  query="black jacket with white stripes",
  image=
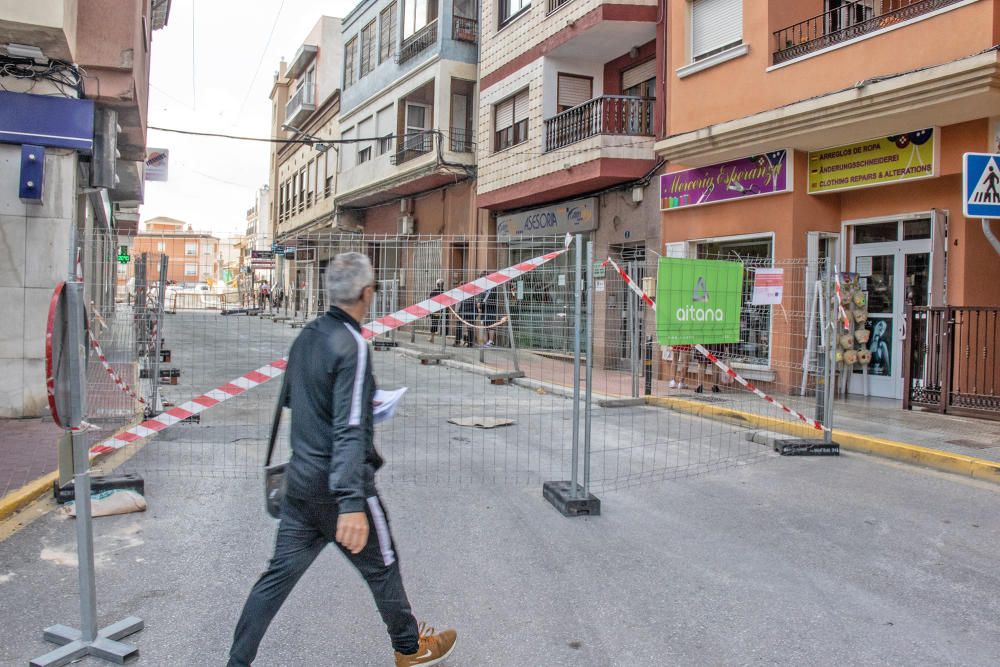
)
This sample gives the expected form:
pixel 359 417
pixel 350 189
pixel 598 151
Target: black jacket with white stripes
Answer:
pixel 330 392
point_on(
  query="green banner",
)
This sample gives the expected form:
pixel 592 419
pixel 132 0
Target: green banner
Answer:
pixel 698 301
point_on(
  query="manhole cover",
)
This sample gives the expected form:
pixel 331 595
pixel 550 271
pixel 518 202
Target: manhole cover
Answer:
pixel 973 444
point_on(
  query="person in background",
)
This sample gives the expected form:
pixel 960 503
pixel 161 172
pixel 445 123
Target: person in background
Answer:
pixel 487 303
pixel 437 319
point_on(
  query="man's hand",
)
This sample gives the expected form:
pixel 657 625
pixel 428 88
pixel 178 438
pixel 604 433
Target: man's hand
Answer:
pixel 352 531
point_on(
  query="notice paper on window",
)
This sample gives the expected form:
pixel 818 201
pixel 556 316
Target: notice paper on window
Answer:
pixel 386 402
pixel 768 287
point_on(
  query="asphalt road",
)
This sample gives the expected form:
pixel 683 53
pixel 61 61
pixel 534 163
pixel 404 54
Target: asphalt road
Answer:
pixel 789 561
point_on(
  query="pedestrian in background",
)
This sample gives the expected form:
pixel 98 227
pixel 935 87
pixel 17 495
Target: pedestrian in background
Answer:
pixel 437 319
pixel 330 494
pixel 487 302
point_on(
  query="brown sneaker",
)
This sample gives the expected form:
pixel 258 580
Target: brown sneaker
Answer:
pixel 433 648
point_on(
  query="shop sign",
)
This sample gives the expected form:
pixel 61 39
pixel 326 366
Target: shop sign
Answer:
pixel 900 157
pixel 737 179
pixel 262 254
pixel 157 164
pixel 570 218
pixel 698 301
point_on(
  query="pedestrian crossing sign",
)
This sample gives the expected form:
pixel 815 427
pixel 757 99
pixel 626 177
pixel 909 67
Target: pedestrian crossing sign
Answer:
pixel 981 185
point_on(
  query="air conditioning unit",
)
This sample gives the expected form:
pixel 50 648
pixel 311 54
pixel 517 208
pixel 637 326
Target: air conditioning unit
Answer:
pixel 406 225
pixel 406 207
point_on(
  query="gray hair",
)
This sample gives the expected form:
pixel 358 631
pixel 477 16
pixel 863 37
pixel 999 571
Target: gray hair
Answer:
pixel 347 276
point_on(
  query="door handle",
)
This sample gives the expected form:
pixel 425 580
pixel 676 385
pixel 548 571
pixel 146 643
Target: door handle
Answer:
pixel 902 330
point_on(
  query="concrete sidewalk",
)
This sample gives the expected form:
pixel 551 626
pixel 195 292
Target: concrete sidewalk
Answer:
pixel 29 451
pixel 875 418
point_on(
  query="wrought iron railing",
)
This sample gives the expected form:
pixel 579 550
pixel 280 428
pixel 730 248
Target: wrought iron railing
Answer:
pixel 465 29
pixel 417 42
pixel 610 114
pixel 951 360
pixel 461 141
pixel 413 146
pixel 556 4
pixel 846 22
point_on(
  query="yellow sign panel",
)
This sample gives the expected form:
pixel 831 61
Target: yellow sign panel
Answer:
pixel 901 157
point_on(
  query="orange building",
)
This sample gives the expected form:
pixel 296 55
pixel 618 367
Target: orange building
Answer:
pixel 864 110
pixel 193 256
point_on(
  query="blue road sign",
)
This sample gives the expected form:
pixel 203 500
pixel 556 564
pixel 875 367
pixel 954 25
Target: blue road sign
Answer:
pixel 981 185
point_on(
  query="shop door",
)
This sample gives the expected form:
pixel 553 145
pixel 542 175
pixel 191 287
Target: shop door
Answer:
pixel 891 274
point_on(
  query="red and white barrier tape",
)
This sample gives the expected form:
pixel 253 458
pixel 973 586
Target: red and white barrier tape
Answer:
pixel 120 383
pixel 840 300
pixel 750 386
pixel 257 377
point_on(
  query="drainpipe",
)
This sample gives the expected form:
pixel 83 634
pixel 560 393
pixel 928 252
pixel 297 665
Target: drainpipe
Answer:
pixel 990 236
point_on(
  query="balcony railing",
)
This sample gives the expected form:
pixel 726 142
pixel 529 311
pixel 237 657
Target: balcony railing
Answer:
pixel 610 114
pixel 556 4
pixel 461 141
pixel 417 42
pixel 413 146
pixel 303 102
pixel 465 29
pixel 850 20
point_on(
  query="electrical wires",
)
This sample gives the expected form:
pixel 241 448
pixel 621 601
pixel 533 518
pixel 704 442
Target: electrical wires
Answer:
pixel 65 76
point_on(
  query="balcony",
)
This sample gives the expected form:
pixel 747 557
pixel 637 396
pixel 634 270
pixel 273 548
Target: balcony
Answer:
pixel 302 104
pixel 461 141
pixel 413 45
pixel 414 146
pixel 849 21
pixel 610 114
pixel 465 29
pixel 555 4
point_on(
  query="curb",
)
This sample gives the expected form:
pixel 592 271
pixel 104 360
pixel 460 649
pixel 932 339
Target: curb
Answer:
pixel 959 464
pixel 19 498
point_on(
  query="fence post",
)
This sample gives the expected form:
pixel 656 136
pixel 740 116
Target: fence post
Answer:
pixel 908 357
pixel 948 345
pixel 829 358
pixel 588 404
pixel 578 323
pixel 648 362
pixel 154 405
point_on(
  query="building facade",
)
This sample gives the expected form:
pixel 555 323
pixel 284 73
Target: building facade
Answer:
pixel 193 257
pixel 810 128
pixel 408 106
pixel 73 124
pixel 571 102
pixel 305 100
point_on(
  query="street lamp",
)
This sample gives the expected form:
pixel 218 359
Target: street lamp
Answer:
pixel 320 145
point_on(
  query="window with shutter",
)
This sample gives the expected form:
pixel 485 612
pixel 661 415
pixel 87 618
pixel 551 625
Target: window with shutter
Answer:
pixel 366 130
pixel 387 33
pixel 716 25
pixel 572 91
pixel 368 48
pixel 385 128
pixel 350 66
pixel 503 124
pixel 634 76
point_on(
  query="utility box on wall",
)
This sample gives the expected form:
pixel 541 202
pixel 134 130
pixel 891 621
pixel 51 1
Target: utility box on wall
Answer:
pixel 32 174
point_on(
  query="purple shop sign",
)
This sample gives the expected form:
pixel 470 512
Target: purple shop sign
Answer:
pixel 766 174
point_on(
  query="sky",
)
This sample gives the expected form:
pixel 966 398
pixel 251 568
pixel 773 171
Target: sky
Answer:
pixel 205 77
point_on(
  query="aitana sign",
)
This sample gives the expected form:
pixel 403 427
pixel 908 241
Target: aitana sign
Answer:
pixel 901 157
pixel 738 179
pixel 698 301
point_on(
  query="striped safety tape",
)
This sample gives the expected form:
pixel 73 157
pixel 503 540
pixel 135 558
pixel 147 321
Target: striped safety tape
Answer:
pixel 840 300
pixel 272 370
pixel 750 386
pixel 120 383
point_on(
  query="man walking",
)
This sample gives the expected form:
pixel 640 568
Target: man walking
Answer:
pixel 331 495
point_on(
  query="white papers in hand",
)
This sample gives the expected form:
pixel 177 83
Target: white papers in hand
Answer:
pixel 386 402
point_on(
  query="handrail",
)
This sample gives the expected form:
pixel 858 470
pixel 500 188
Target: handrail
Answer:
pixel 606 114
pixel 846 22
pixel 417 42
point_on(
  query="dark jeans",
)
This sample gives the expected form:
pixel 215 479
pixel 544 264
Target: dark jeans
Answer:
pixel 304 530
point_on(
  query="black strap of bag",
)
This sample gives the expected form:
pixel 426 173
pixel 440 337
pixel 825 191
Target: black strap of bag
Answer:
pixel 276 422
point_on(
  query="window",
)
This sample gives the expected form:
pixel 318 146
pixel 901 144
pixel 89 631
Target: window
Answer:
pixel 347 150
pixel 754 347
pixel 417 14
pixel 206 250
pixel 572 91
pixel 310 183
pixel 716 26
pixel 191 249
pixel 387 33
pixel 509 9
pixel 640 81
pixel 385 129
pixel 161 246
pixel 366 130
pixel 418 119
pixel 190 269
pixel 368 46
pixel 302 189
pixel 510 121
pixel 328 192
pixel 350 55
